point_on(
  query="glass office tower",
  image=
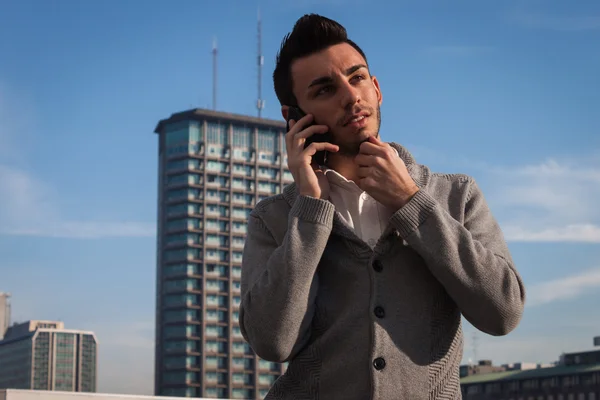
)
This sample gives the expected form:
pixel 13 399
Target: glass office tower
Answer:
pixel 43 355
pixel 213 168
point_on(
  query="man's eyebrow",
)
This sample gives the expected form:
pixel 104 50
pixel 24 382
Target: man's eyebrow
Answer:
pixel 321 81
pixel 327 79
pixel 354 68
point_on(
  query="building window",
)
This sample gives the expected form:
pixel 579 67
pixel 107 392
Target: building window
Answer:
pixel 267 140
pixel 217 133
pixel 195 132
pixel 216 300
pixel 242 136
pixel 177 133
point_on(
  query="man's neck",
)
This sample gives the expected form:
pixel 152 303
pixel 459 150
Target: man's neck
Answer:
pixel 343 165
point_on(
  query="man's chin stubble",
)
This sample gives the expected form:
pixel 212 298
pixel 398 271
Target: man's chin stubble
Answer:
pixel 354 149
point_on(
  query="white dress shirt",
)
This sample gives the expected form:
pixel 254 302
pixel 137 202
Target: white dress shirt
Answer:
pixel 365 215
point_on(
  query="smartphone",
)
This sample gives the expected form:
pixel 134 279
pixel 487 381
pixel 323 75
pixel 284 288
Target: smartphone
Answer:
pixel 320 157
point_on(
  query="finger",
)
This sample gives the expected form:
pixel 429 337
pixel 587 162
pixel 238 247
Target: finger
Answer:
pixel 295 127
pixel 369 148
pixel 375 140
pixel 299 140
pixel 312 149
pixel 311 130
pixel 385 147
pixel 291 123
pixel 317 168
pixel 301 123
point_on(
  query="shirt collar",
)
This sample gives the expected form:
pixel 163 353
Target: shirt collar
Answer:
pixel 336 178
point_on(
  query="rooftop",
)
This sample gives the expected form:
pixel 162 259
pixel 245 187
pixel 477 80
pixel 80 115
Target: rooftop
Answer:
pixel 23 330
pixel 201 114
pixel 530 373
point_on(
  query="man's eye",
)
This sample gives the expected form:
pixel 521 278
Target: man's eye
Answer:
pixel 323 90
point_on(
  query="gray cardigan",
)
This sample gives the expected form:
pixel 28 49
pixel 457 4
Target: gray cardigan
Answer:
pixel 383 323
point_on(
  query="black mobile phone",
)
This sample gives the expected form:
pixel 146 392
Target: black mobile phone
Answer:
pixel 320 157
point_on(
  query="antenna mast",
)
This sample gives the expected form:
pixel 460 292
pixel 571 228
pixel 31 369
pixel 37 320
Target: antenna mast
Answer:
pixel 475 346
pixel 214 53
pixel 260 104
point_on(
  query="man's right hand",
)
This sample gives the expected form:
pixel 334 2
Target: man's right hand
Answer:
pixel 309 178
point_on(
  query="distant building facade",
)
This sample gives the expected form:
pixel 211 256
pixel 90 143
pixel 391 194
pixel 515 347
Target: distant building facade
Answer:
pixel 482 367
pixel 575 377
pixel 581 358
pixel 213 168
pixel 521 366
pixel 43 355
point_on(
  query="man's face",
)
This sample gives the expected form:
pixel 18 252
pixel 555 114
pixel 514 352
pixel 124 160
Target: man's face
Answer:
pixel 335 86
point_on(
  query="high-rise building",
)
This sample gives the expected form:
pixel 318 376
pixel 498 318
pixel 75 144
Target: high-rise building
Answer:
pixel 43 355
pixel 213 168
pixel 4 313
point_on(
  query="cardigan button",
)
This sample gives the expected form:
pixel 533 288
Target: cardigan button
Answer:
pixel 379 363
pixel 378 266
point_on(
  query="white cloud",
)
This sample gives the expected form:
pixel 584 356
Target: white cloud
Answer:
pixel 554 201
pixel 29 207
pixel 553 169
pixel 586 233
pixel 567 190
pixel 565 288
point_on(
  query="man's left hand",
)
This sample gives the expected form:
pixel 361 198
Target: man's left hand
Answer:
pixel 383 175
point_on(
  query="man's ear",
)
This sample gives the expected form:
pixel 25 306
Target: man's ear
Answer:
pixel 284 112
pixel 378 89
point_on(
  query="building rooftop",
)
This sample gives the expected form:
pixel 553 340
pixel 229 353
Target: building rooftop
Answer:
pixel 581 353
pixel 530 373
pixel 201 114
pixel 28 328
pixel 25 328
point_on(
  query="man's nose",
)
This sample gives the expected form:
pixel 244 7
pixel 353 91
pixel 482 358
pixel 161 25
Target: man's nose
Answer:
pixel 349 95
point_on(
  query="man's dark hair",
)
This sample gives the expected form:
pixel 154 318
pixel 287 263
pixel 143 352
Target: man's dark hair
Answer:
pixel 312 33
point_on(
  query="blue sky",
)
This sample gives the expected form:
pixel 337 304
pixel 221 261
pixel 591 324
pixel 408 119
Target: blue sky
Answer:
pixel 507 92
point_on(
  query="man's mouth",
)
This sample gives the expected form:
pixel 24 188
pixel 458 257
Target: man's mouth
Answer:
pixel 355 119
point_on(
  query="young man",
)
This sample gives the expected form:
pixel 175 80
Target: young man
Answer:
pixel 359 272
